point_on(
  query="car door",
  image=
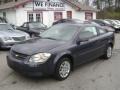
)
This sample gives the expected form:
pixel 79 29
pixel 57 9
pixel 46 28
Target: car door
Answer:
pixel 88 47
pixel 102 40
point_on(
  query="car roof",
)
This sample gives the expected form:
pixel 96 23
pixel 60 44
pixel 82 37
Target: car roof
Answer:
pixel 33 22
pixel 69 20
pixel 78 24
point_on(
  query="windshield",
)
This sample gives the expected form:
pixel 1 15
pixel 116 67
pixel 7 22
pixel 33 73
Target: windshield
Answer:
pixel 95 23
pixel 60 32
pixel 5 27
pixel 99 22
pixel 118 21
pixel 36 25
pixel 107 22
pixel 114 22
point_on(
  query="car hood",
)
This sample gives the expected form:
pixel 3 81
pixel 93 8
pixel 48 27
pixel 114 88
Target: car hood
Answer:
pixel 37 45
pixel 11 33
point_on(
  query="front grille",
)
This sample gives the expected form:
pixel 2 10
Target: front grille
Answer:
pixel 19 38
pixel 18 56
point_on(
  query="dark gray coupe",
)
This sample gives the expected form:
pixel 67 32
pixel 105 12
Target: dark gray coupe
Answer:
pixel 60 49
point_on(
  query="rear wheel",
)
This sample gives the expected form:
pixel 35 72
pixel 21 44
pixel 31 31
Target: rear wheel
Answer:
pixel 63 69
pixel 108 52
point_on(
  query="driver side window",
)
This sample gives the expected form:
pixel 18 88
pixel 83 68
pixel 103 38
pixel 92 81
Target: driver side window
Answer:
pixel 88 32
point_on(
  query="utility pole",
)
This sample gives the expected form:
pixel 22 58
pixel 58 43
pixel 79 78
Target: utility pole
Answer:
pixel 33 4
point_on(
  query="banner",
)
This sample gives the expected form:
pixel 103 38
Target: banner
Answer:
pixel 46 5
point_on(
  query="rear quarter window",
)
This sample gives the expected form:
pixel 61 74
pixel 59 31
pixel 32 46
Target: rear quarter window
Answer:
pixel 102 31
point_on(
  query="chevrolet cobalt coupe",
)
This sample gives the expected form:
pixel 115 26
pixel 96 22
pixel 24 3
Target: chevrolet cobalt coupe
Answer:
pixel 60 49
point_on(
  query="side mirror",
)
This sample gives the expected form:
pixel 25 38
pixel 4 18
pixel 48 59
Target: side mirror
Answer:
pixel 82 40
pixel 26 28
pixel 13 26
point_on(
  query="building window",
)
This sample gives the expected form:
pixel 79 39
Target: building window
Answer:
pixel 69 14
pixel 58 15
pixel 30 16
pixel 4 14
pixel 88 15
pixel 35 16
pixel 38 18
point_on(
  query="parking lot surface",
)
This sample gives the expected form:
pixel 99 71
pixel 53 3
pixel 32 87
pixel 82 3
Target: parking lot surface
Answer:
pixel 96 75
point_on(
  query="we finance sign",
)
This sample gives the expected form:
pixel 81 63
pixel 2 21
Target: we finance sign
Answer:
pixel 47 5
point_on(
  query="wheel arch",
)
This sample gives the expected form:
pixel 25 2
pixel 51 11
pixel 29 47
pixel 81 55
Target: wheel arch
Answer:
pixel 68 55
pixel 111 44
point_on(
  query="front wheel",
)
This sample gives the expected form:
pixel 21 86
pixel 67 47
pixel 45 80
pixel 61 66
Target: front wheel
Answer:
pixel 32 35
pixel 63 69
pixel 108 52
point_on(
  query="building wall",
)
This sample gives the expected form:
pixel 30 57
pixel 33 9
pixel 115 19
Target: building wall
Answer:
pixel 48 16
pixel 10 15
pixel 75 14
pixel 1 14
pixel 94 15
pixel 19 15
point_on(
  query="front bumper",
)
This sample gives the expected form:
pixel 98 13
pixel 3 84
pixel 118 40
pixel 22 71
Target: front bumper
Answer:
pixel 29 70
pixel 7 45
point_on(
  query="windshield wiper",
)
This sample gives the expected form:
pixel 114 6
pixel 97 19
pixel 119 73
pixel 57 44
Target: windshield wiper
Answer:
pixel 9 29
pixel 48 38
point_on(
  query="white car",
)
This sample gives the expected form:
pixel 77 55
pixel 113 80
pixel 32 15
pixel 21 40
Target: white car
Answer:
pixel 117 21
pixel 115 24
pixel 10 36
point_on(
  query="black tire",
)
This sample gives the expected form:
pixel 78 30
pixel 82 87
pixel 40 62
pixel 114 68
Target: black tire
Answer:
pixel 0 45
pixel 57 74
pixel 32 35
pixel 108 52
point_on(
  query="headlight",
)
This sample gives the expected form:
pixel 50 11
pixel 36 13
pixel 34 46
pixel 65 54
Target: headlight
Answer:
pixel 7 38
pixel 40 58
pixel 27 37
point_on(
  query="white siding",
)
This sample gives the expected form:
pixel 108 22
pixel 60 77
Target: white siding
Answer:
pixel 48 18
pixel 76 14
pixel 21 16
pixel 94 15
pixel 10 15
